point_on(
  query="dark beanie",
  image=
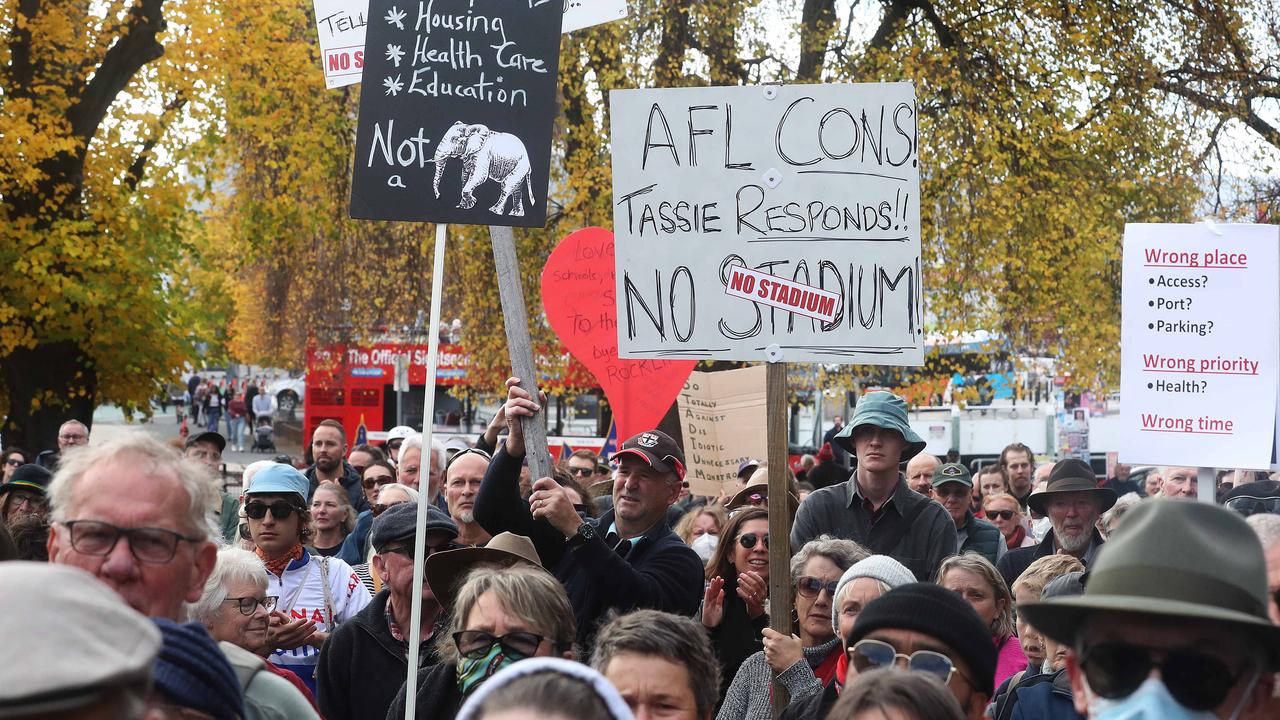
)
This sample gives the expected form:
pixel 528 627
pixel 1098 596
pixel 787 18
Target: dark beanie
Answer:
pixel 939 613
pixel 191 672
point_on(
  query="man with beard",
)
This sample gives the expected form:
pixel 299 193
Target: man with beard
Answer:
pixel 1072 502
pixel 1017 461
pixel 329 447
pixel 462 478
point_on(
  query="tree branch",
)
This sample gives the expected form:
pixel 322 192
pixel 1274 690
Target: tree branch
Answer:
pixel 135 48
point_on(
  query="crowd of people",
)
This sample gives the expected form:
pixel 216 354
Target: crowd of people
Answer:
pixel 135 587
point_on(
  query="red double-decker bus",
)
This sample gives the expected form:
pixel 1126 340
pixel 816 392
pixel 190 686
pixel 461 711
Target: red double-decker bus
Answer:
pixel 355 383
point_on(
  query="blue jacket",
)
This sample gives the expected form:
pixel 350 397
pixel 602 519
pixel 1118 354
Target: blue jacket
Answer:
pixel 657 571
pixel 1039 697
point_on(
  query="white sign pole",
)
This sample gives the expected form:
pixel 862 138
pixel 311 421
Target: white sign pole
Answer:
pixel 428 415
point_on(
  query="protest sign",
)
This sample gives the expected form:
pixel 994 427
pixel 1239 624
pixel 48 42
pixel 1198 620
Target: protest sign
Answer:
pixel 579 14
pixel 340 26
pixel 456 112
pixel 1199 344
pixel 786 215
pixel 722 418
pixel 577 295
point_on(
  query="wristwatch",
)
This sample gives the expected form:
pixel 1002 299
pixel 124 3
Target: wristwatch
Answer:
pixel 586 533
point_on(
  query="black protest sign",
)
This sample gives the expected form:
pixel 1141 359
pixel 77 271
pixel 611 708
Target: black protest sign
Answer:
pixel 456 110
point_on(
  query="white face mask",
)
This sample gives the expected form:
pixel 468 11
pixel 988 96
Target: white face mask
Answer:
pixel 705 545
pixel 1040 528
pixel 1153 701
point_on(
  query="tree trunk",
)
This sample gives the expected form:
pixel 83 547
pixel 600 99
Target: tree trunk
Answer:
pixel 817 21
pixel 58 370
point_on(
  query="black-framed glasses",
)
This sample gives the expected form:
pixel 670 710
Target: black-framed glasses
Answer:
pixel 810 587
pixel 1001 514
pixel 749 540
pixel 475 644
pixel 468 451
pixel 247 604
pixel 1249 505
pixel 407 550
pixel 30 499
pixel 148 545
pixel 280 509
pixel 1198 681
pixel 867 654
pixel 394 444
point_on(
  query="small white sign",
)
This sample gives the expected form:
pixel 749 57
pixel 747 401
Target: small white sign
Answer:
pixel 579 14
pixel 1200 344
pixel 340 25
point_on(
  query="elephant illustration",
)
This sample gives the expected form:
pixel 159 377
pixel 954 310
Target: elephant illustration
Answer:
pixel 486 155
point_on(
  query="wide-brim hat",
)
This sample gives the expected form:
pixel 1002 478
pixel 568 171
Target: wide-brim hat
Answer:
pixel 28 477
pixel 1072 476
pixel 741 497
pixel 1174 559
pixel 883 410
pixel 657 449
pixel 445 570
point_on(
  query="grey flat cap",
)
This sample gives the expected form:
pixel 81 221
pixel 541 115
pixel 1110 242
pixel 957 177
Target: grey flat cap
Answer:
pixel 400 520
pixel 68 639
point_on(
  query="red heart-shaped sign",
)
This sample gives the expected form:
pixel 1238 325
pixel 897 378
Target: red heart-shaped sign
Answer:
pixel 578 295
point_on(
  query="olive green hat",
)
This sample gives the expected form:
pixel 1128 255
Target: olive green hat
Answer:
pixel 952 473
pixel 1174 559
pixel 883 410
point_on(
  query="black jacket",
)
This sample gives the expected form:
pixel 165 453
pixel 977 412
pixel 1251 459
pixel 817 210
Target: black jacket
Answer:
pixel 438 695
pixel 362 667
pixel 350 480
pixel 1016 561
pixel 658 571
pixel 827 474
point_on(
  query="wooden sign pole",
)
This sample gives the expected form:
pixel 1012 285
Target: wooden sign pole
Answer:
pixel 780 601
pixel 516 320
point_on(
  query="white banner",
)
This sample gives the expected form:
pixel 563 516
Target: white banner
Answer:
pixel 817 186
pixel 340 25
pixel 580 14
pixel 1200 344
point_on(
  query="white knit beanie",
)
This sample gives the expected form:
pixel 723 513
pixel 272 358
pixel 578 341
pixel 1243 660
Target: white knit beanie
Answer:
pixel 882 568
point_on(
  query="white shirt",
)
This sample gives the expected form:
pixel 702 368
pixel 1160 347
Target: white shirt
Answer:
pixel 300 594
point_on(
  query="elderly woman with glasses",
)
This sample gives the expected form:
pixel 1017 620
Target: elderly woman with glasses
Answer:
pixel 315 593
pixel 806 663
pixel 497 619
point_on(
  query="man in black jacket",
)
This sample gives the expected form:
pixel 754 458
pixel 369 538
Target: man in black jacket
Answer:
pixel 329 447
pixel 625 559
pixel 1072 501
pixel 364 663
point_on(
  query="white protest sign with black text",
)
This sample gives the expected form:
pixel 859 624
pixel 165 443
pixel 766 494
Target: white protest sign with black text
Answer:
pixel 723 420
pixel 579 14
pixel 340 25
pixel 812 190
pixel 1200 344
pixel 456 112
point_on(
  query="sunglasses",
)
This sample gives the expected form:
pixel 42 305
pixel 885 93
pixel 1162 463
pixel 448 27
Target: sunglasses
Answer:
pixel 467 451
pixel 1000 514
pixel 1196 680
pixel 407 550
pixel 475 644
pixel 1249 505
pixel 582 472
pixel 371 482
pixel 868 654
pixel 749 540
pixel 12 462
pixel 280 510
pixel 810 587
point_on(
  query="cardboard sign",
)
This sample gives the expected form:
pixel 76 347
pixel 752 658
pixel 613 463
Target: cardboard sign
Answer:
pixel 456 112
pixel 340 26
pixel 723 420
pixel 1200 344
pixel 577 295
pixel 579 14
pixel 816 187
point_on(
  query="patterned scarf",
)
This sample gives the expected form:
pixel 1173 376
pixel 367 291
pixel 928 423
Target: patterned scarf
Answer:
pixel 276 567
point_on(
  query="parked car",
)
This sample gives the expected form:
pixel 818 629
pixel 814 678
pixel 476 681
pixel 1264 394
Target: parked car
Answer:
pixel 288 392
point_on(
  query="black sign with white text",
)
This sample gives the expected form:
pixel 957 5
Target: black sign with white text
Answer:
pixel 456 111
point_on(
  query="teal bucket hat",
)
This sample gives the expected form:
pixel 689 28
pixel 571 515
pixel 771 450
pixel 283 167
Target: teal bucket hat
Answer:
pixel 884 410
